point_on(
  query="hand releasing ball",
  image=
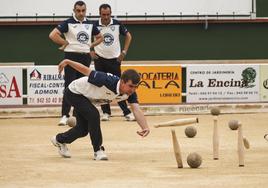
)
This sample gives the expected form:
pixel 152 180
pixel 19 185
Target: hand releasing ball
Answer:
pixel 190 131
pixel 215 111
pixel 194 160
pixel 71 121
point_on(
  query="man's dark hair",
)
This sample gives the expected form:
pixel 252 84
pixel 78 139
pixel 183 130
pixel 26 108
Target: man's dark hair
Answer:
pixel 131 74
pixel 105 6
pixel 79 3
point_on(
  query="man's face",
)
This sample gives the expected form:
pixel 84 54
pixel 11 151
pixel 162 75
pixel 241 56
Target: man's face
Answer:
pixel 127 87
pixel 80 12
pixel 105 15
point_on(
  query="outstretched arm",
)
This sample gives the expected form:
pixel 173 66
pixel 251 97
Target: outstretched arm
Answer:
pixel 141 120
pixel 75 65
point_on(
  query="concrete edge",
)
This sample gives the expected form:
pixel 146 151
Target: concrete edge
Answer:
pixel 149 110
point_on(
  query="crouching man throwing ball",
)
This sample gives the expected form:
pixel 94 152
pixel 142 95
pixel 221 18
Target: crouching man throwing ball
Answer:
pixel 97 88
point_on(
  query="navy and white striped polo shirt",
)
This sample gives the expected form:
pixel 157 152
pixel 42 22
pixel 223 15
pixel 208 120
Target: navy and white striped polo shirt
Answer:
pixel 100 88
pixel 78 34
pixel 110 47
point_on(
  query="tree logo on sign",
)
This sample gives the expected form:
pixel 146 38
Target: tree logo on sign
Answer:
pixel 249 76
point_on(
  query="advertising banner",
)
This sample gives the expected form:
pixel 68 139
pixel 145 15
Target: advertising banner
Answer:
pixel 45 85
pixel 222 83
pixel 159 84
pixel 264 82
pixel 11 85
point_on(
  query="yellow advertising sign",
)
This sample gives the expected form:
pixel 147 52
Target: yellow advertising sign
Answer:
pixel 159 84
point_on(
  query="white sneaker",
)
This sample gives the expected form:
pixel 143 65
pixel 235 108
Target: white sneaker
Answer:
pixel 105 117
pixel 130 117
pixel 100 155
pixel 63 150
pixel 266 137
pixel 63 121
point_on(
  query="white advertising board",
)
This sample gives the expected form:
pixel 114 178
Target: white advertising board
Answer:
pixel 222 83
pixel 10 85
pixel 45 85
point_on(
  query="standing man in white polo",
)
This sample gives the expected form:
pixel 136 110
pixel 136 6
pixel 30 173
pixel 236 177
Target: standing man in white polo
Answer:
pixel 108 55
pixel 76 44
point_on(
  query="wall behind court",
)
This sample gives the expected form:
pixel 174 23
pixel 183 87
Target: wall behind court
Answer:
pixel 121 7
pixel 28 44
pixel 150 42
pixel 262 8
